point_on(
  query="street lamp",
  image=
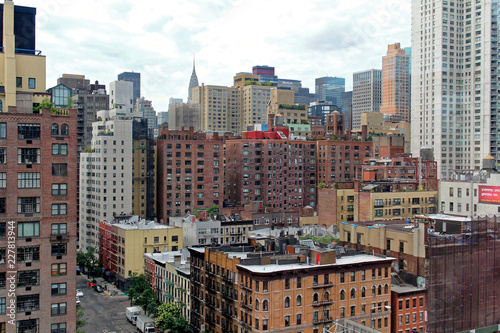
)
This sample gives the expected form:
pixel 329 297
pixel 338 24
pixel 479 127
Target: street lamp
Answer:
pixel 372 309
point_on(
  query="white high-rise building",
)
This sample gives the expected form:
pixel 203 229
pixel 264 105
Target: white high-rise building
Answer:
pixel 366 94
pixel 121 96
pixel 455 82
pixel 105 175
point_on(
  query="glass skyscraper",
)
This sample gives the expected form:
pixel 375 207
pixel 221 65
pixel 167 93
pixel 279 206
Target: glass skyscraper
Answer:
pixel 330 89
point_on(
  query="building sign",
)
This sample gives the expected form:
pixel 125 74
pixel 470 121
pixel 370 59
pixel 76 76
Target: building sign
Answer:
pixel 489 194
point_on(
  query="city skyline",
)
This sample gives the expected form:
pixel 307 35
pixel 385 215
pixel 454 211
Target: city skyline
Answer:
pixel 302 41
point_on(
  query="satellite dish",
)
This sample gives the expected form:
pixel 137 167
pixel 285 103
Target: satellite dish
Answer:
pixel 421 281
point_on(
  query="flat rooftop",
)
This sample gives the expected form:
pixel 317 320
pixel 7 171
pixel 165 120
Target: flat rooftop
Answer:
pixel 347 260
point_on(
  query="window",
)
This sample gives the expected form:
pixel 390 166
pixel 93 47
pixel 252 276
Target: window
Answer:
pixel 59 228
pixel 175 238
pixel 3 130
pixel 299 300
pixel 363 292
pixel 287 321
pixel 315 280
pixel 3 230
pixel 264 324
pixel 19 82
pixel 28 155
pixel 59 169
pixel 58 249
pixel 28 303
pixel 59 269
pixel 342 295
pixel 3 155
pixel 265 305
pixel 315 298
pixel 27 326
pixel 58 289
pixel 58 328
pixel 287 284
pixel 58 309
pixel 342 312
pixel 28 229
pixel 2 306
pixel 353 293
pixel 342 277
pixel 28 131
pixel 28 253
pixel 299 319
pixel 28 180
pixel 353 310
pixel 64 129
pixel 264 286
pixel 59 189
pixel 3 180
pixel 59 149
pixel 54 129
pixel 31 83
pixel 59 209
pixel 28 278
pixel 299 282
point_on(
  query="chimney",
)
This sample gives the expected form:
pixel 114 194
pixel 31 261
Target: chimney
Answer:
pixel 191 132
pixel 364 132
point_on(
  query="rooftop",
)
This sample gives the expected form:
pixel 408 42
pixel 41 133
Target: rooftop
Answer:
pixel 347 260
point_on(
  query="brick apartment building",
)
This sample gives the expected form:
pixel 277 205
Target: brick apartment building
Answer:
pixel 38 188
pixel 281 173
pixel 237 290
pixel 190 172
pixel 338 160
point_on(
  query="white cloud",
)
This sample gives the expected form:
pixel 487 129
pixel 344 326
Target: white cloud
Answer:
pixel 301 39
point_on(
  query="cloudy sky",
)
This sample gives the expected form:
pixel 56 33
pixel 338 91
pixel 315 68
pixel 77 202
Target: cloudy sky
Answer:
pixel 301 39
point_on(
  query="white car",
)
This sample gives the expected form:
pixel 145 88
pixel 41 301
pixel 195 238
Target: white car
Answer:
pixel 79 293
pixel 77 300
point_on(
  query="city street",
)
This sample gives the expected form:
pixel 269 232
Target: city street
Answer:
pixel 103 313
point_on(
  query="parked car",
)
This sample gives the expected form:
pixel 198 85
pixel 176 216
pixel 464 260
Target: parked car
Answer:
pixel 98 288
pixel 78 300
pixel 79 293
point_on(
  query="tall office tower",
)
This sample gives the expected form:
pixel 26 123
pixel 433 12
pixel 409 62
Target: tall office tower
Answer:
pixel 366 94
pixel 193 82
pixel 143 109
pixel 396 91
pixel 266 74
pixel 190 172
pixel 254 102
pixel 455 82
pixel 105 175
pixel 184 115
pixel 135 78
pixel 329 89
pixel 88 101
pixel 37 189
pixel 220 108
pixel 346 108
pixel 144 173
pixel 121 97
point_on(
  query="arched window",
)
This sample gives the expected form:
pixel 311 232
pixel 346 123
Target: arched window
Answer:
pixel 386 289
pixel 299 300
pixel 374 291
pixel 264 305
pixel 353 293
pixel 54 129
pixel 380 290
pixel 64 129
pixel 326 296
pixel 256 304
pixel 363 292
pixel 287 302
pixel 315 298
pixel 342 295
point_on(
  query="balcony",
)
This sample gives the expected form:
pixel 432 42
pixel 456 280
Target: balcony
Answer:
pixel 322 320
pixel 323 303
pixel 324 285
pixel 246 306
pixel 245 288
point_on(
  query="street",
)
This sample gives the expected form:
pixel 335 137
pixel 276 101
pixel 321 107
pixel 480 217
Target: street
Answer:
pixel 103 313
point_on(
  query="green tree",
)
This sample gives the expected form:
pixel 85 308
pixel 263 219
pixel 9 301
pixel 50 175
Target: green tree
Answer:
pixel 170 318
pixel 80 322
pixel 141 294
pixel 87 261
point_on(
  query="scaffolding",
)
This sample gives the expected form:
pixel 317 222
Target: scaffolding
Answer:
pixel 464 278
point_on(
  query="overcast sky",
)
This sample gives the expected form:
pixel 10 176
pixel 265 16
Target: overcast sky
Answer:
pixel 301 39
